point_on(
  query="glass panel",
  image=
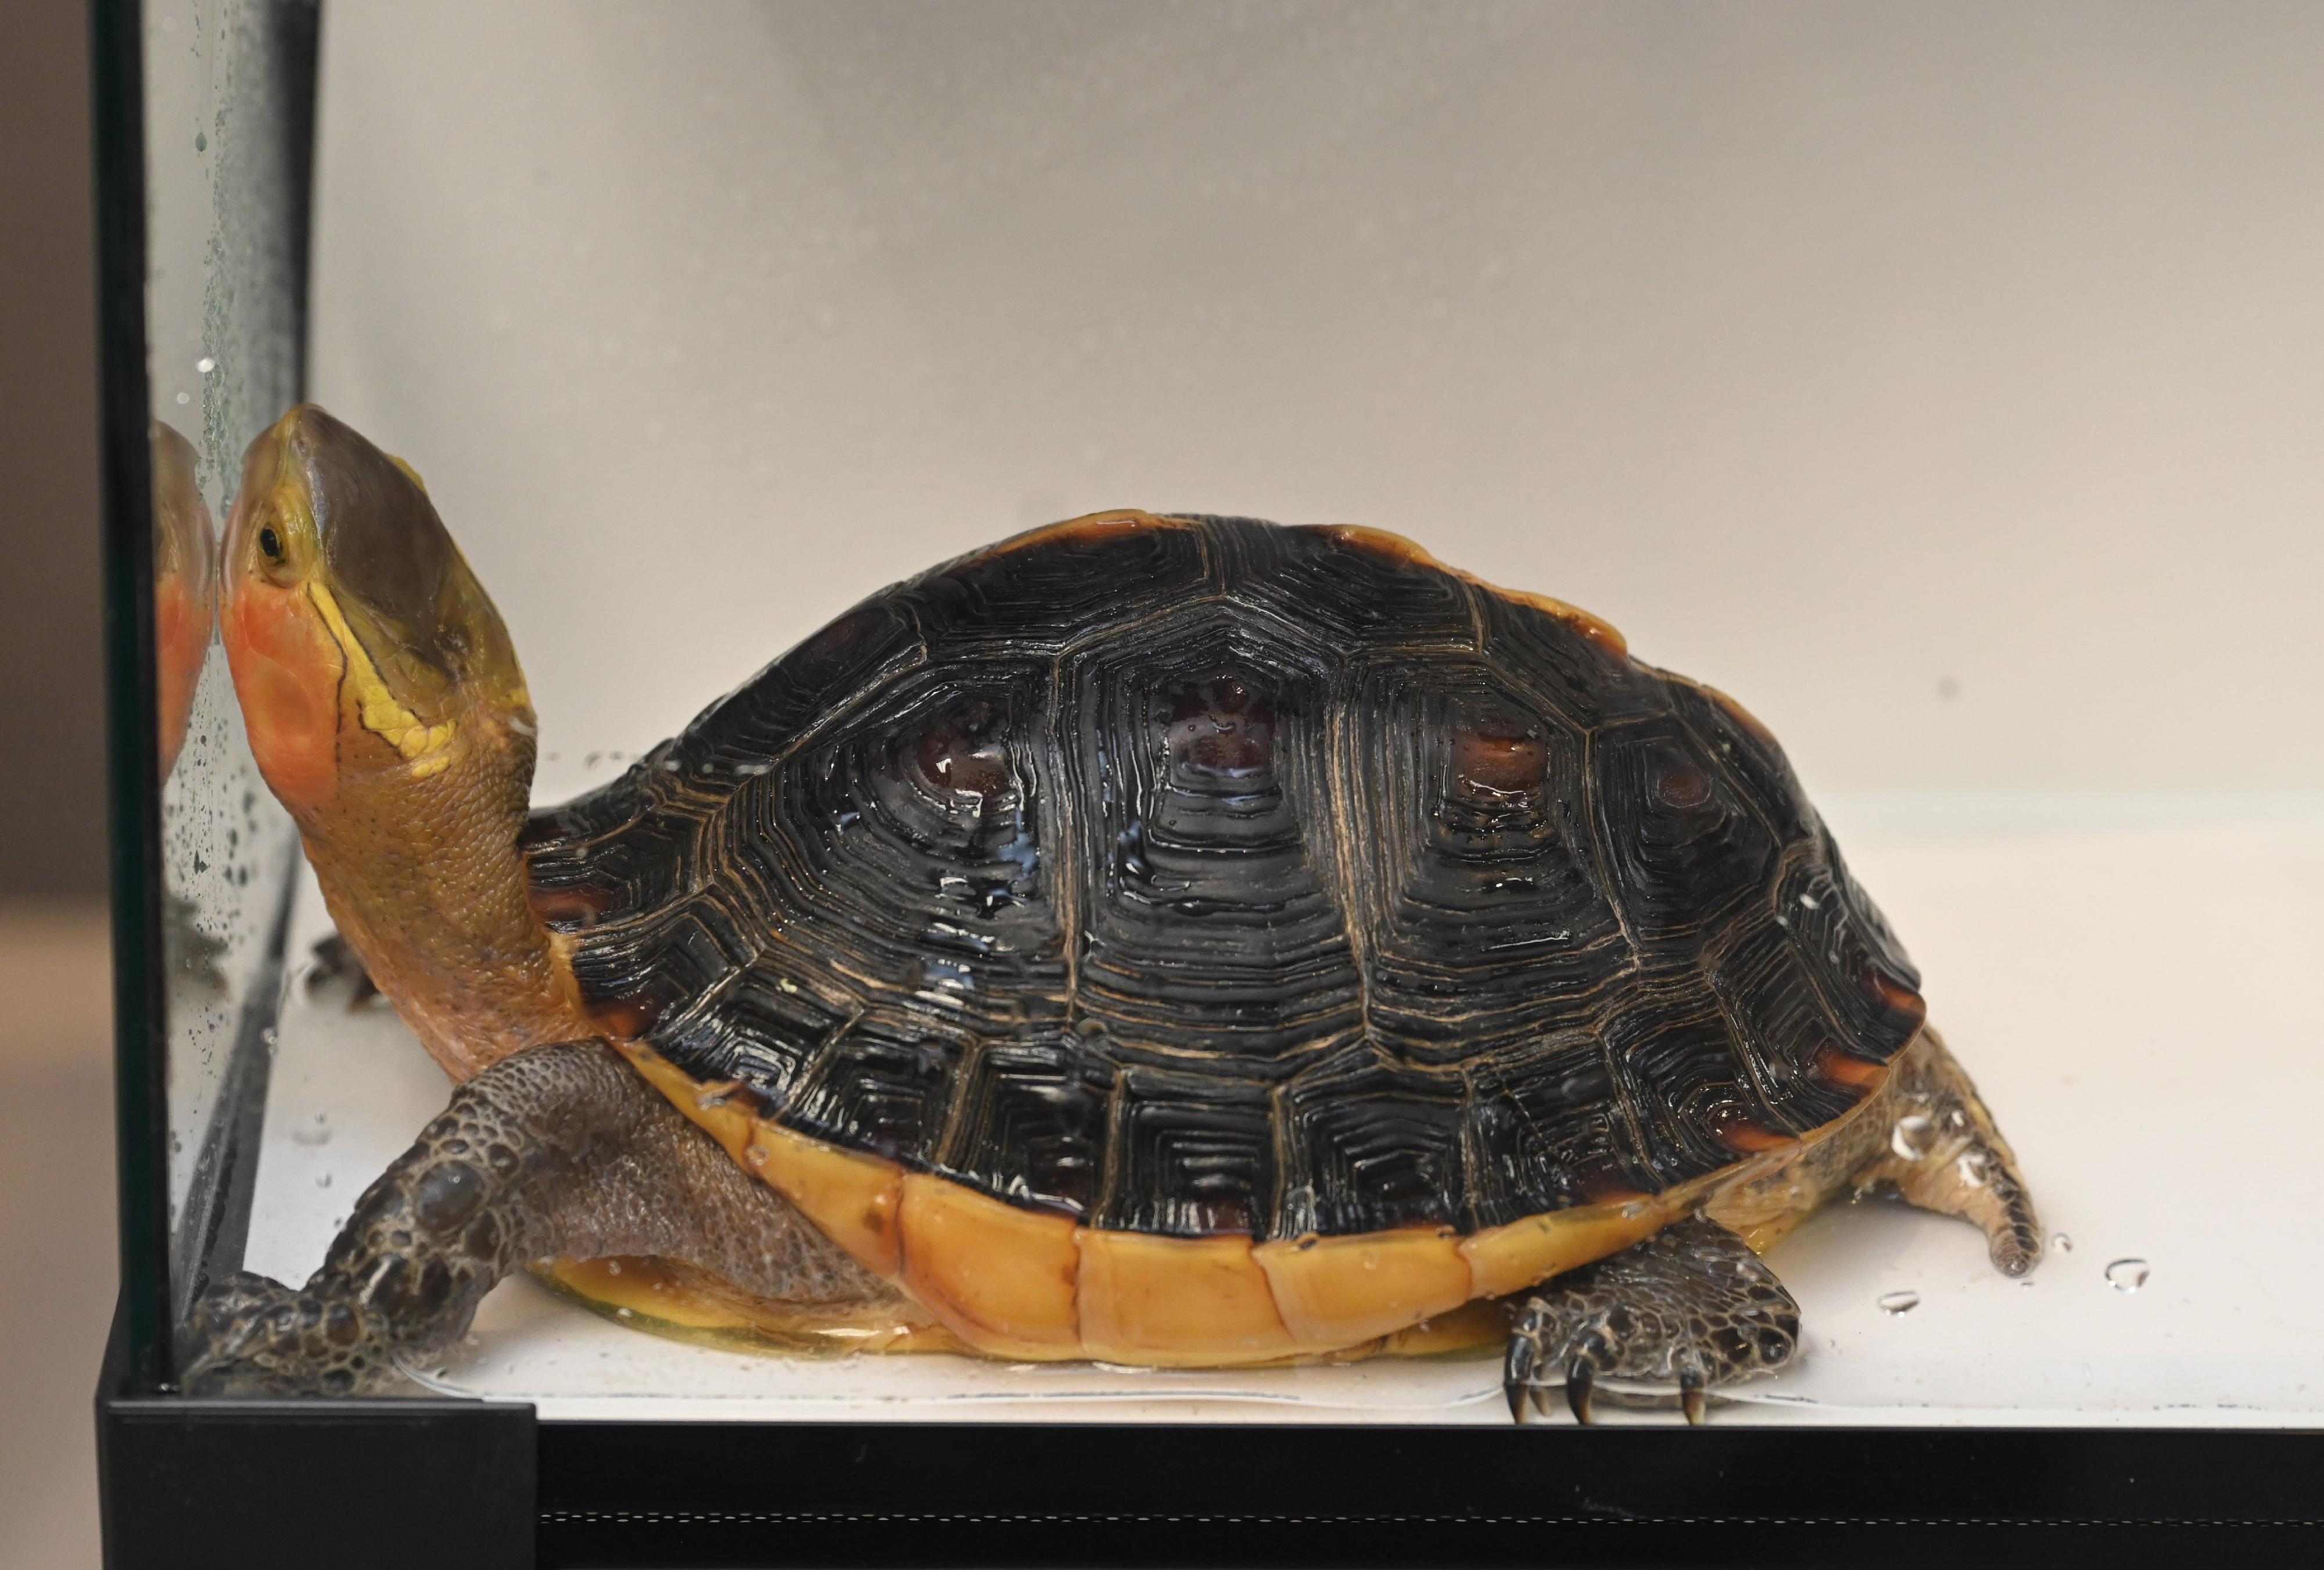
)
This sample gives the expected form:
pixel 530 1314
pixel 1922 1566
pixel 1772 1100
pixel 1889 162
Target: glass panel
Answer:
pixel 1934 383
pixel 226 117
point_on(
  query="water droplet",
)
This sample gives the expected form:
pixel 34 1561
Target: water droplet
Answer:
pixel 320 1135
pixel 1371 1259
pixel 205 364
pixel 612 1267
pixel 201 142
pixel 2127 1275
pixel 622 1314
pixel 2061 1243
pixel 1899 1302
pixel 185 398
pixel 324 1181
pixel 1911 1136
pixel 756 1155
pixel 1971 1167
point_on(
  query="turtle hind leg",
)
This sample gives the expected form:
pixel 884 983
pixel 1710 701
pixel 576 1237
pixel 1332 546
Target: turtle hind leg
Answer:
pixel 1944 1153
pixel 1689 1308
pixel 558 1150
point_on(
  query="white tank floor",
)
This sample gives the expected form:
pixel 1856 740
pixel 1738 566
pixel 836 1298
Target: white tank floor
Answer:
pixel 2129 980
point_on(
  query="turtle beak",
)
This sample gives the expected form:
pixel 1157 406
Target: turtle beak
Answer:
pixel 360 640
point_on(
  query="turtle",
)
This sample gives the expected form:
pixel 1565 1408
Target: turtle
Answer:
pixel 185 549
pixel 1161 939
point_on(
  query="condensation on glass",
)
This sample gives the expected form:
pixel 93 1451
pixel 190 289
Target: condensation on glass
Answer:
pixel 226 211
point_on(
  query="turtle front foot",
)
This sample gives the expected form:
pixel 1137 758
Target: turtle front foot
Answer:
pixel 1689 1308
pixel 253 1336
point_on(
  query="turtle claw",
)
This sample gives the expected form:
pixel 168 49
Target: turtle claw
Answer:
pixel 1689 1308
pixel 253 1336
pixel 1691 1399
pixel 1581 1380
pixel 1516 1377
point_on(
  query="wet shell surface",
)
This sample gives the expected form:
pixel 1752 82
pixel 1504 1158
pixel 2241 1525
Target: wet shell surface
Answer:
pixel 1188 940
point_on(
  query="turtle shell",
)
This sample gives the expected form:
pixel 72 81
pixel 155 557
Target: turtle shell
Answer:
pixel 1182 908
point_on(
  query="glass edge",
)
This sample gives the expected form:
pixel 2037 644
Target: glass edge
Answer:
pixel 133 811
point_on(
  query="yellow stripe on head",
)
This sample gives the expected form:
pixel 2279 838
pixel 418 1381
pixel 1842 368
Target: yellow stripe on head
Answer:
pixel 428 748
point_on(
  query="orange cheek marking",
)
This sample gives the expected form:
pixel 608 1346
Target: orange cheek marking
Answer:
pixel 286 672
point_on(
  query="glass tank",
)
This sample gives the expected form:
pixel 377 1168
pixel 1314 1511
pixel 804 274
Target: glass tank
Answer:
pixel 1940 384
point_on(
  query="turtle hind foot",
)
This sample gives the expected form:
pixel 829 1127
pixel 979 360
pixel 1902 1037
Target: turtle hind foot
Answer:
pixel 1687 1310
pixel 1944 1154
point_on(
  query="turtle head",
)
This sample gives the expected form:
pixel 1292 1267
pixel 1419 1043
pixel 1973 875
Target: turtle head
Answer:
pixel 185 573
pixel 385 707
pixel 364 651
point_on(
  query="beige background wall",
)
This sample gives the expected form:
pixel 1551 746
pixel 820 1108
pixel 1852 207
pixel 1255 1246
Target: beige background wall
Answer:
pixel 1945 380
pixel 57 1268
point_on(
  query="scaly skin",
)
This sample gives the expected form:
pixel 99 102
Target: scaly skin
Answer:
pixel 558 1152
pixel 1691 1307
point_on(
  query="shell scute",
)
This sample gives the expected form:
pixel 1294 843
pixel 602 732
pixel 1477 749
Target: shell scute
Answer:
pixel 1681 1077
pixel 1455 855
pixel 1191 1154
pixel 1377 1144
pixel 1049 587
pixel 1682 847
pixel 1029 1124
pixel 1350 590
pixel 883 1085
pixel 1547 1132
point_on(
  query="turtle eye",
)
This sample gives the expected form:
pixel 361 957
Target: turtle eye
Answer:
pixel 271 543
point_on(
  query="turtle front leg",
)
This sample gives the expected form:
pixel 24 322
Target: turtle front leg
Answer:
pixel 556 1152
pixel 1690 1307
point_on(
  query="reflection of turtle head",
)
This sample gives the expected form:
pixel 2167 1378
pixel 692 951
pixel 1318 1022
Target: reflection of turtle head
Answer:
pixel 185 572
pixel 361 641
pixel 386 709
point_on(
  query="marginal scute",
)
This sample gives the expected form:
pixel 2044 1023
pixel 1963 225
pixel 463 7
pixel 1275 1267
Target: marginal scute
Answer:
pixel 1502 1259
pixel 1743 716
pixel 1002 1279
pixel 1845 1069
pixel 851 1197
pixel 1337 1291
pixel 1396 547
pixel 728 1121
pixel 854 1199
pixel 1089 526
pixel 1202 1302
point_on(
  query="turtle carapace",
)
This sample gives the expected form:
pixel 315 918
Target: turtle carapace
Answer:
pixel 1172 940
